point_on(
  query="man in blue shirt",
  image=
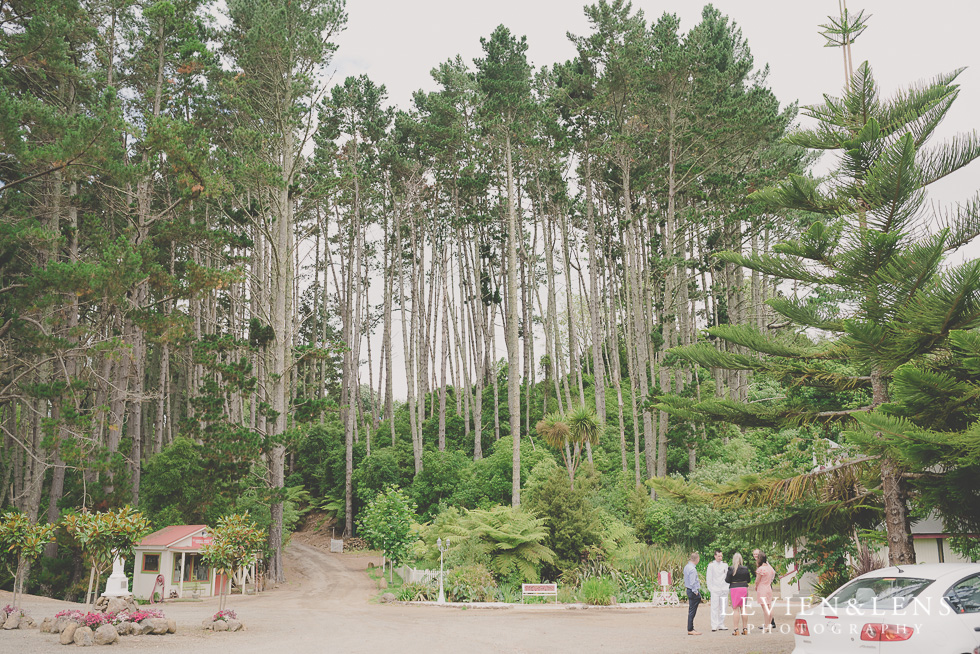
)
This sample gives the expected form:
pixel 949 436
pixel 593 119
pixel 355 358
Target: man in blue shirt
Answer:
pixel 693 586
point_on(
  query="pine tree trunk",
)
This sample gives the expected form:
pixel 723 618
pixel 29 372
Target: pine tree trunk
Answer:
pixel 281 269
pixel 478 316
pixel 409 353
pixel 444 355
pixel 513 354
pixel 598 365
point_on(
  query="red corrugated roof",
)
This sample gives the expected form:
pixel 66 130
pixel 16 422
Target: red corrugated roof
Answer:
pixel 169 535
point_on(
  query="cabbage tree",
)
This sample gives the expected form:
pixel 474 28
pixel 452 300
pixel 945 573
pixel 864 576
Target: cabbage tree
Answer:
pixel 569 433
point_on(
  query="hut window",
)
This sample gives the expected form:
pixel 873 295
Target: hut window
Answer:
pixel 151 563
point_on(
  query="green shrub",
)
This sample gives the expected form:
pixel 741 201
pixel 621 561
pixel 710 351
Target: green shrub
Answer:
pixel 464 550
pixel 472 583
pixel 419 591
pixel 386 523
pixel 659 519
pixel 966 546
pixel 509 593
pixel 828 558
pixel 634 588
pixel 446 480
pixel 598 591
pixel 504 540
pixel 256 502
pixel 646 562
pixel 573 523
pixel 567 594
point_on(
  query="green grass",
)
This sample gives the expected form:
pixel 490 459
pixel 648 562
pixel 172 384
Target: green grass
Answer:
pixel 391 584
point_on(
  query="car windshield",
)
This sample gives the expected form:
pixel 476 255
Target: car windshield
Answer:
pixel 879 593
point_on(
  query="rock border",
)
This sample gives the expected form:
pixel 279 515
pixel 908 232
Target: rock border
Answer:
pixel 73 632
pixel 15 619
pixel 223 625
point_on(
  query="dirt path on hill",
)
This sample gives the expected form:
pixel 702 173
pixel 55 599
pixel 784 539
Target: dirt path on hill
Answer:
pixel 327 606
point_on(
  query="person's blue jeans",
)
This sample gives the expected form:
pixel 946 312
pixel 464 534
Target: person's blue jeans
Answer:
pixel 693 599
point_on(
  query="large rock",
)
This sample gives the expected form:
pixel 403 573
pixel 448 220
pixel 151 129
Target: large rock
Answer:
pixel 68 633
pixel 47 625
pixel 387 598
pixel 84 637
pixel 106 635
pixel 27 622
pixel 124 628
pixel 234 625
pixel 12 621
pixel 220 625
pixel 117 604
pixel 143 628
pixel 171 626
pixel 160 625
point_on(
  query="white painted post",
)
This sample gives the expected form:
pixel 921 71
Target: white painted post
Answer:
pixel 183 571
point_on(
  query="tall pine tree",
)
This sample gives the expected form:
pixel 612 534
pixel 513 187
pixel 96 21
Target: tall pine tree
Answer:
pixel 874 244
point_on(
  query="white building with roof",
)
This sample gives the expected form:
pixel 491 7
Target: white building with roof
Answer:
pixel 169 563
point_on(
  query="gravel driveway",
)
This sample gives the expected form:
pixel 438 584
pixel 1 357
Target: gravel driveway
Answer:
pixel 325 607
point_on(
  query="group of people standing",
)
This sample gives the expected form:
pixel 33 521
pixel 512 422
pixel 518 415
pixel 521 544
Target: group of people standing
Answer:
pixel 730 582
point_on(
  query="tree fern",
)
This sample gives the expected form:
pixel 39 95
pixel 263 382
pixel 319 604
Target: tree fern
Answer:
pixel 513 539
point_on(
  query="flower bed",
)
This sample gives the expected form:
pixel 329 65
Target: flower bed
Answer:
pixel 225 620
pixel 98 628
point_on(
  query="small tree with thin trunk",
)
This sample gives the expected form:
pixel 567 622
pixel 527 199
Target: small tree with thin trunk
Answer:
pixel 21 542
pixel 235 544
pixel 104 536
pixel 386 523
pixel 569 433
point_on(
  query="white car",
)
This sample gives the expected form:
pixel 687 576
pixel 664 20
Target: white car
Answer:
pixel 931 608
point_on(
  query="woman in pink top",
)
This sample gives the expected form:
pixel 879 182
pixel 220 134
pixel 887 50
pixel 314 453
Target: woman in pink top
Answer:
pixel 764 576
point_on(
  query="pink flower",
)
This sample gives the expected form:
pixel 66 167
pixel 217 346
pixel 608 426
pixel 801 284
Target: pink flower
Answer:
pixel 226 614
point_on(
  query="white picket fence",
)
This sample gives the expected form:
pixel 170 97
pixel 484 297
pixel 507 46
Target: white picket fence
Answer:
pixel 410 575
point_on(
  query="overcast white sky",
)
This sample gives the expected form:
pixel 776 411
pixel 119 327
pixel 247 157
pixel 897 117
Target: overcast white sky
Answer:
pixel 397 43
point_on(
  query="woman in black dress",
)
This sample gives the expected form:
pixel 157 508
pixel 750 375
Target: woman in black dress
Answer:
pixel 738 583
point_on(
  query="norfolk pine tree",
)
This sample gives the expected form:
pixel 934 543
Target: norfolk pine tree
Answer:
pixel 870 242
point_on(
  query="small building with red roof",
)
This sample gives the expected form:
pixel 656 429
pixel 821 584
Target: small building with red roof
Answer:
pixel 169 564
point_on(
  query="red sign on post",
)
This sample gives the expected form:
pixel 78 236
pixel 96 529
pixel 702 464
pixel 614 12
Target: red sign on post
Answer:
pixel 200 541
